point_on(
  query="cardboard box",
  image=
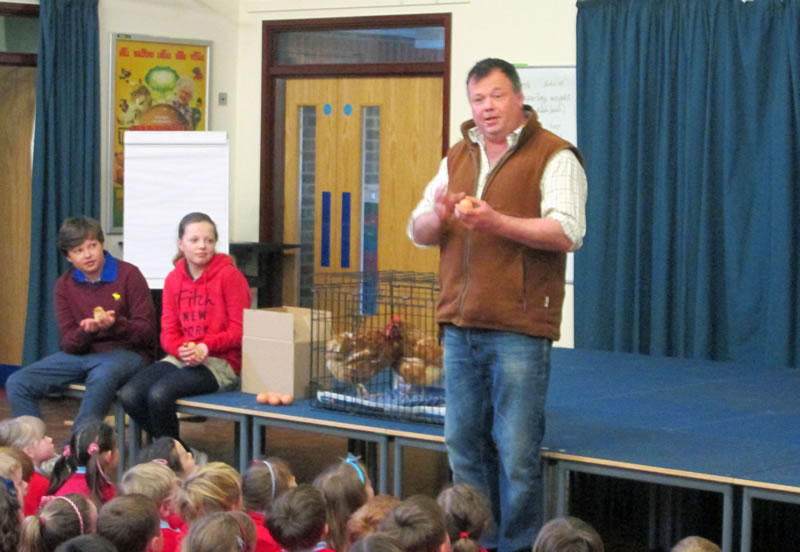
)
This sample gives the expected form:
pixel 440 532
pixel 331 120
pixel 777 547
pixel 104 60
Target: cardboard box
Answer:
pixel 276 350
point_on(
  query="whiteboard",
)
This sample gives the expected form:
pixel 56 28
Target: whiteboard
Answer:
pixel 169 174
pixel 552 92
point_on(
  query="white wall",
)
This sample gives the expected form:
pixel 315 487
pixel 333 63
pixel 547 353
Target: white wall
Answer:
pixel 190 19
pixel 536 32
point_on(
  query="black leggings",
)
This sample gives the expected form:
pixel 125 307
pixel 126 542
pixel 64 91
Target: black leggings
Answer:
pixel 149 396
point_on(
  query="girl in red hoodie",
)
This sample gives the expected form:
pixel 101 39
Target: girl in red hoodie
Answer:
pixel 201 331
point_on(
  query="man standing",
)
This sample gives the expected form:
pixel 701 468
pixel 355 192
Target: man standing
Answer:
pixel 106 319
pixel 505 206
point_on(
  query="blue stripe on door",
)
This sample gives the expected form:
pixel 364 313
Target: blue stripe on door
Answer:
pixel 325 242
pixel 345 251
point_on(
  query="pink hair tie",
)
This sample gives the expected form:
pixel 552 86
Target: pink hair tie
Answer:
pixel 160 461
pixel 67 451
pixel 94 447
pixel 42 520
pixel 463 535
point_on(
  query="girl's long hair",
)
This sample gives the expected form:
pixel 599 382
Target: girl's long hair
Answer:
pixel 345 492
pixel 60 519
pixel 82 453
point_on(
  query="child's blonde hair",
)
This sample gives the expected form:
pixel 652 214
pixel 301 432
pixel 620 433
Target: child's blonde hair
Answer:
pixel 59 519
pixel 561 532
pixel 8 463
pixel 344 486
pixel 221 532
pixel 466 515
pixel 695 544
pixel 263 482
pixel 24 461
pixel 215 487
pixel 24 431
pixel 152 479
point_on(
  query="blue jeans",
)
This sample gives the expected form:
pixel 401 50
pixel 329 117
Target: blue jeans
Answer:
pixel 496 388
pixel 102 373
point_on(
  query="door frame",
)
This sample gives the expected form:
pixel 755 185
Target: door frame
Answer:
pixel 271 201
pixel 19 10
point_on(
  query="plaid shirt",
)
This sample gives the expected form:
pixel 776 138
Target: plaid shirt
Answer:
pixel 563 188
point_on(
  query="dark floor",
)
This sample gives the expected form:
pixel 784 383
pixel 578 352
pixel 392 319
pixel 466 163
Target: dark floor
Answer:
pixel 307 453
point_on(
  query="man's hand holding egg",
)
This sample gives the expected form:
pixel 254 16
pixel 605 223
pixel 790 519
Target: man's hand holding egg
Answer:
pixel 476 214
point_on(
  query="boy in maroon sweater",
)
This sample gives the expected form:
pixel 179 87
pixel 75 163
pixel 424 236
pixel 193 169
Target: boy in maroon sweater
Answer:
pixel 106 319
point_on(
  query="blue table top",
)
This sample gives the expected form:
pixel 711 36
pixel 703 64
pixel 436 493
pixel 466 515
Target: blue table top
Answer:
pixel 729 420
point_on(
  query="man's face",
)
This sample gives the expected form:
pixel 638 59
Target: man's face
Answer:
pixel 496 108
pixel 88 258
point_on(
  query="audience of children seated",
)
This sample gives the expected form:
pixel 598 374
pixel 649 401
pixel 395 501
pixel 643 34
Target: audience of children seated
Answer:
pixel 346 487
pixel 366 519
pixel 567 533
pixel 158 483
pixel 466 515
pixel 131 523
pixel 84 462
pixel 298 520
pixel 695 544
pixel 262 483
pixel 179 460
pixel 418 525
pixel 27 433
pixel 59 519
pixel 222 532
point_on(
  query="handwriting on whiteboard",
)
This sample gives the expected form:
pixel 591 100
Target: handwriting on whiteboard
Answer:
pixel 551 92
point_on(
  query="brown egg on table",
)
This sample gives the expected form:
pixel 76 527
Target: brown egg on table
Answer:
pixel 286 399
pixel 274 399
pixel 262 398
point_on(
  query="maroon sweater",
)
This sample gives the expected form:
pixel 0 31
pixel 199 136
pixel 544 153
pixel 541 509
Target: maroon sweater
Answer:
pixel 123 289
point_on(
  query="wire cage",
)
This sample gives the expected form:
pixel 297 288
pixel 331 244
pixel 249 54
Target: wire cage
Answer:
pixel 375 345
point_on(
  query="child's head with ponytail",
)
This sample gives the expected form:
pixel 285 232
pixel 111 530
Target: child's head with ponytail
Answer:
pixel 59 519
pixel 93 451
pixel 467 514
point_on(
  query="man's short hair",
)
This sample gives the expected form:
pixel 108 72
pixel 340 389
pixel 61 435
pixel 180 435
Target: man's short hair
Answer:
pixel 486 66
pixel 298 518
pixel 129 522
pixel 417 524
pixel 75 230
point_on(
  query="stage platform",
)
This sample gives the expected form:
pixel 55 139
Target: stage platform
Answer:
pixel 728 428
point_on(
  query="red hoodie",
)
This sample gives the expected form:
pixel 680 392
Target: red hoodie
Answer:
pixel 207 310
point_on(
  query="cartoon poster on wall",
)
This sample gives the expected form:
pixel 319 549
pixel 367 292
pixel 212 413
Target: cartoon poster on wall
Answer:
pixel 157 84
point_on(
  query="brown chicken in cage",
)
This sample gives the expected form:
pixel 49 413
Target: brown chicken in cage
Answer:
pixel 422 364
pixel 357 357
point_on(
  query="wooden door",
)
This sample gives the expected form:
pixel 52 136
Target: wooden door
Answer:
pixel 17 106
pixel 361 150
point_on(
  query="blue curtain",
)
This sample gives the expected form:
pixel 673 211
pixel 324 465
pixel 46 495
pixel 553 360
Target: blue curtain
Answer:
pixel 689 120
pixel 66 155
